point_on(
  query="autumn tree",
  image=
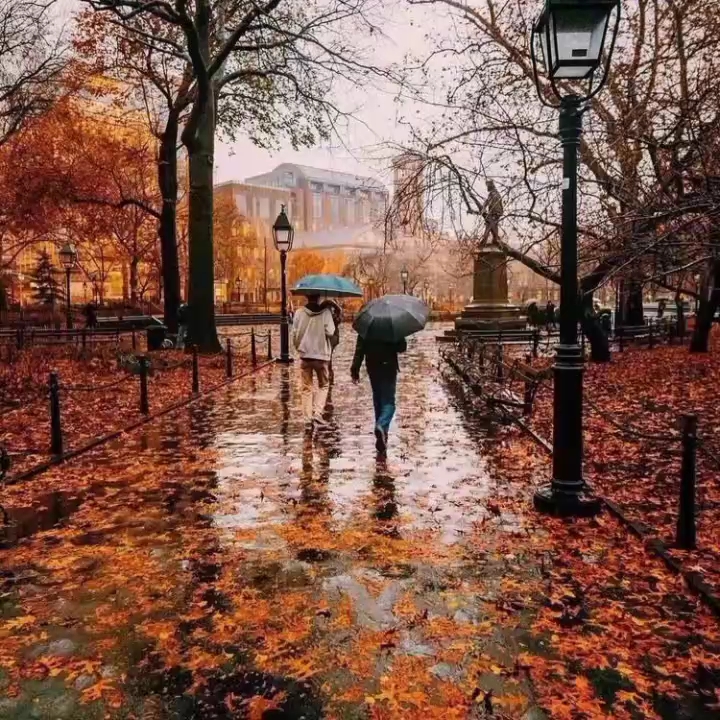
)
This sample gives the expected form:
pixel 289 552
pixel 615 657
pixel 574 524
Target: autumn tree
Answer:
pixel 246 59
pixel 304 262
pixel 644 152
pixel 46 288
pixel 31 59
pixel 237 256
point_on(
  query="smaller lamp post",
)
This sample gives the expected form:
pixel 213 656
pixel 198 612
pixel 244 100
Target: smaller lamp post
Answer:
pixel 283 235
pixel 68 258
pixel 238 288
pixel 404 275
pixel 426 288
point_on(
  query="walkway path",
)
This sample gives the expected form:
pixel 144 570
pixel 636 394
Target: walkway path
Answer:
pixel 221 564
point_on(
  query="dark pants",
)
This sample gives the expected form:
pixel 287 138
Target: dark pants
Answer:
pixel 383 383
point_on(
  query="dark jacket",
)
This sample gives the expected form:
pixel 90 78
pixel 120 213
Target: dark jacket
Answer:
pixel 379 357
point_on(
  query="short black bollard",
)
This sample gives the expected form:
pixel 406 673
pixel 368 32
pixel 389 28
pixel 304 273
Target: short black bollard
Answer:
pixel 269 356
pixel 685 536
pixel 527 398
pixel 144 401
pixel 253 347
pixel 56 438
pixel 195 371
pixel 499 370
pixel 228 359
pixel 536 342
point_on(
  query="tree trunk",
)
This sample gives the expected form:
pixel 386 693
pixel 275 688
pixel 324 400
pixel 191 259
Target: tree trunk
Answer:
pixel 201 295
pixel 599 344
pixel 134 281
pixel 631 303
pixel 709 302
pixel 168 183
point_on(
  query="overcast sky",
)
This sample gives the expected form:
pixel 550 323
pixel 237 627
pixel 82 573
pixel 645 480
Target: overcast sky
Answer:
pixel 359 149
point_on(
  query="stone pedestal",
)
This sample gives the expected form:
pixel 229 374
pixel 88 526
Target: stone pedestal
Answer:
pixel 489 308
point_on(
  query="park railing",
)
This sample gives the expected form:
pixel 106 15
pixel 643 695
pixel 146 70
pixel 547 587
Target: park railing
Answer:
pixel 143 369
pixel 655 331
pixel 509 387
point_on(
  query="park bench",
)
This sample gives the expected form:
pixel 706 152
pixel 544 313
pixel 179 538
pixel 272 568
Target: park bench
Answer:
pixel 27 337
pixel 530 338
pixel 651 333
pixel 128 323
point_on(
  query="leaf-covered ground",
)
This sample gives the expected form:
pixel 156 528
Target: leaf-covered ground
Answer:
pixel 632 452
pixel 97 396
pixel 219 564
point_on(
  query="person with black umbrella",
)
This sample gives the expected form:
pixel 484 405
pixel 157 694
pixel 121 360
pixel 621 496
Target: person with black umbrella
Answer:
pixel 381 361
pixel 382 326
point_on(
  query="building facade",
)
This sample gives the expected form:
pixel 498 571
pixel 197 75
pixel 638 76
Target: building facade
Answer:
pixel 321 200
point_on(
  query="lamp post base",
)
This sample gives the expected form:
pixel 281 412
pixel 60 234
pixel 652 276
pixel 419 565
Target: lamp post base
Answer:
pixel 561 504
pixel 285 360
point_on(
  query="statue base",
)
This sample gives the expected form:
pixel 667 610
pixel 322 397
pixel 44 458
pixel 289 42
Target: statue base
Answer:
pixel 491 316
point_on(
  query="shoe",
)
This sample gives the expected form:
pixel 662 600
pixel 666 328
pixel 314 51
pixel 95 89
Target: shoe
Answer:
pixel 320 422
pixel 380 440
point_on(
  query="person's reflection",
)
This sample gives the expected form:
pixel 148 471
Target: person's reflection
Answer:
pixel 285 403
pixel 202 422
pixel 314 490
pixel 385 504
pixel 329 438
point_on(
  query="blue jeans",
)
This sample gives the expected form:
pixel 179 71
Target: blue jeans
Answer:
pixel 383 388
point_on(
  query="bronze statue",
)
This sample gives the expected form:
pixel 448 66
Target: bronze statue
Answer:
pixel 492 211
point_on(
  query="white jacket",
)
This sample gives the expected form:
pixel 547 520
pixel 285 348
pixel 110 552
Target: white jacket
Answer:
pixel 312 330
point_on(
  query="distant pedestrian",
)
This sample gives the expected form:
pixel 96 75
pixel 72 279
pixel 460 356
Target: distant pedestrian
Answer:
pixel 381 361
pixel 91 320
pixel 313 327
pixel 336 311
pixel 550 316
pixel 183 320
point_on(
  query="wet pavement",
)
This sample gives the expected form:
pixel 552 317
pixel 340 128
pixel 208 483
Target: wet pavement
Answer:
pixel 222 563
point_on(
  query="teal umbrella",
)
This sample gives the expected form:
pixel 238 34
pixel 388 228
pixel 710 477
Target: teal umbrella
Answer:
pixel 391 318
pixel 328 285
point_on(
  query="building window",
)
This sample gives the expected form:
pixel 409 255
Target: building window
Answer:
pixel 264 208
pixel 317 206
pixel 364 212
pixel 335 210
pixel 333 189
pixel 241 202
pixel 288 179
pixel 351 212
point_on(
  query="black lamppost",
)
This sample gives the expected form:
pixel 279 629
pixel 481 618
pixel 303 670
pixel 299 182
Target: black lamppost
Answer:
pixel 238 288
pixel 404 275
pixel 283 234
pixel 572 34
pixel 68 258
